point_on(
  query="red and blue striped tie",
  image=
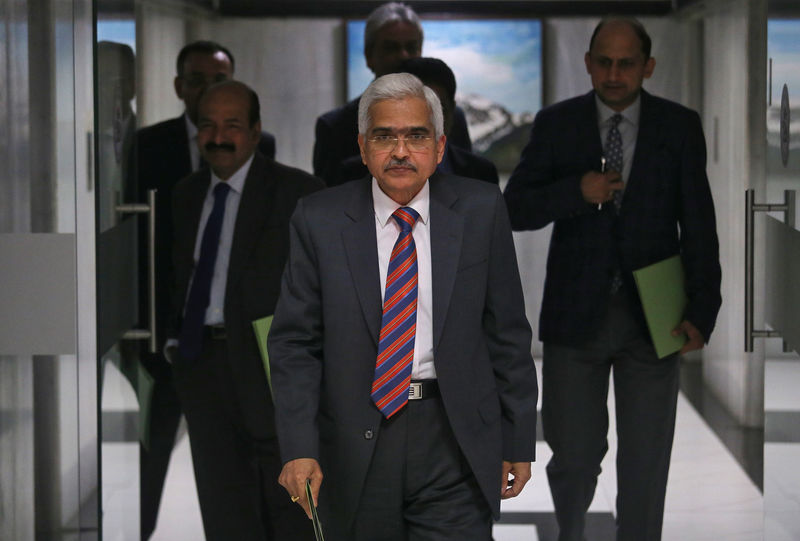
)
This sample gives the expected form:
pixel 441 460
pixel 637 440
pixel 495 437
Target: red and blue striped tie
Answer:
pixel 399 322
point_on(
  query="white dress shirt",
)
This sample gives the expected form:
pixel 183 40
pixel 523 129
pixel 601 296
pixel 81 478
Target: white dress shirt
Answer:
pixel 628 130
pixel 215 313
pixel 387 231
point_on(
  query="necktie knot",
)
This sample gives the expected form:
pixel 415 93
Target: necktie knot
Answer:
pixel 221 190
pixel 615 120
pixel 405 217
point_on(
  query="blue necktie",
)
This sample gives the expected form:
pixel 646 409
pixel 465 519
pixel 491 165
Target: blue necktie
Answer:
pixel 613 152
pixel 399 322
pixel 191 337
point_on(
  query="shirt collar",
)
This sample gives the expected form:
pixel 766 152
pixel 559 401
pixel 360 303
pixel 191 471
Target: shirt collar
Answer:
pixel 629 114
pixel 236 181
pixel 385 205
pixel 191 129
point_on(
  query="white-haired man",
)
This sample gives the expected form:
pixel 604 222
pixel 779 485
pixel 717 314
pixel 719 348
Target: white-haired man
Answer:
pixel 400 349
pixel 393 34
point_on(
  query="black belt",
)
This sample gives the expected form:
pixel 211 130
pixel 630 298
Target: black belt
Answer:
pixel 214 332
pixel 422 389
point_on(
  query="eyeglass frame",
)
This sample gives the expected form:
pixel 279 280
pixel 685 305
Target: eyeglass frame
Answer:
pixel 411 144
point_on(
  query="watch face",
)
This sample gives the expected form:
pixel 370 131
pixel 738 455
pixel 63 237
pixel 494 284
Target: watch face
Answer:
pixel 785 119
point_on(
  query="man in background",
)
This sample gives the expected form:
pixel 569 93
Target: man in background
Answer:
pixel 393 33
pixel 231 240
pixel 438 76
pixel 621 174
pixel 167 152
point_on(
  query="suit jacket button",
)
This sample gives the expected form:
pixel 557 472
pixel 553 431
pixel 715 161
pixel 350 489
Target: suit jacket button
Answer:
pixel 368 434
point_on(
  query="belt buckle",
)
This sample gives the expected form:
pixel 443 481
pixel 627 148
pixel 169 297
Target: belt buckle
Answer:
pixel 415 391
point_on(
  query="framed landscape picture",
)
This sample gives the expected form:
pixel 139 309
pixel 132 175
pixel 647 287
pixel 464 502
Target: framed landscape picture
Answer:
pixel 497 64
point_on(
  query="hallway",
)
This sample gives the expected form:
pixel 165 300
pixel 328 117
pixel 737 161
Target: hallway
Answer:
pixel 709 496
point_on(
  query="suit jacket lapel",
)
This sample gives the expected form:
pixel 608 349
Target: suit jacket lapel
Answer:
pixel 647 138
pixel 182 153
pixel 446 230
pixel 254 209
pixel 361 249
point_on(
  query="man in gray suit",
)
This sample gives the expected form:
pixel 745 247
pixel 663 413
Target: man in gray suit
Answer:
pixel 417 400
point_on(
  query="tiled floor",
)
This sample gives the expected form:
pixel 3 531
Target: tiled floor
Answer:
pixel 709 495
pixel 782 450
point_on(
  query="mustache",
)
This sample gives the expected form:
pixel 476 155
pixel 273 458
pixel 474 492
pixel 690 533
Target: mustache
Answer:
pixel 400 163
pixel 211 146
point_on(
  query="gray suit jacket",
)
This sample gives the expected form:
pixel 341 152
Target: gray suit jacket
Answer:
pixel 324 337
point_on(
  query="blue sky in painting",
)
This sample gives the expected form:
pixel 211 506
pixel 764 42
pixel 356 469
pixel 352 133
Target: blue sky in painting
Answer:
pixel 783 46
pixel 120 31
pixel 500 60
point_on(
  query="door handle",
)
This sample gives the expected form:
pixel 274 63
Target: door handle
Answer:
pixel 148 208
pixel 751 207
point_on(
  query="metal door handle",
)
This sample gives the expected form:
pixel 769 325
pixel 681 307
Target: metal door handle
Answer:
pixel 751 207
pixel 148 208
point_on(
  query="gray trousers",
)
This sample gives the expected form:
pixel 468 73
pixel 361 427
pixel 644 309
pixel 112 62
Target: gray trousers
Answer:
pixel 419 486
pixel 575 422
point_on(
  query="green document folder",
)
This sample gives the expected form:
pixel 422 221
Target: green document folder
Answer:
pixel 261 328
pixel 662 291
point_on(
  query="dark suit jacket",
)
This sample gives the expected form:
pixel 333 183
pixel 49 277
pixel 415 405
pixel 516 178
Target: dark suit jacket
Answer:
pixel 163 159
pixel 336 139
pixel 324 338
pixel 463 162
pixel 259 250
pixel 666 209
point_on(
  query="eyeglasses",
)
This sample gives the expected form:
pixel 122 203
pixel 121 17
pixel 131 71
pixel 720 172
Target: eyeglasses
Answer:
pixel 415 142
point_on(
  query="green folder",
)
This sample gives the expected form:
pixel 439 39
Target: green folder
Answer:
pixel 662 291
pixel 261 328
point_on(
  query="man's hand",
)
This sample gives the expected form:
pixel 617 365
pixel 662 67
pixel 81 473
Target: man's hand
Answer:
pixel 600 187
pixel 696 340
pixel 293 479
pixel 512 486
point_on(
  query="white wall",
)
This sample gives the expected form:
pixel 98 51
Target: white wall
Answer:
pixel 297 68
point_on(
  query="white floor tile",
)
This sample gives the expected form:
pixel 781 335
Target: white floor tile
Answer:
pixel 782 491
pixel 179 517
pixel 781 381
pixel 514 532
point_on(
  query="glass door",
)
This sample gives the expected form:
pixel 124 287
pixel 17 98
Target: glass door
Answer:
pixel 124 334
pixel 782 373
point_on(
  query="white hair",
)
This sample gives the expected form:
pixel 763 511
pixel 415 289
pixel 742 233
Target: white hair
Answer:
pixel 392 12
pixel 397 86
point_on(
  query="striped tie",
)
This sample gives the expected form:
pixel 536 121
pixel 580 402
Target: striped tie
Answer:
pixel 399 322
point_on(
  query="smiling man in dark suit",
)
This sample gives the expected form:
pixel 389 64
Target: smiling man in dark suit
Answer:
pixel 400 349
pixel 652 202
pixel 230 244
pixel 167 152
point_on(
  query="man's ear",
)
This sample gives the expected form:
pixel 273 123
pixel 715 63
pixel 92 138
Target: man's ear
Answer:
pixel 440 146
pixel 587 59
pixel 361 148
pixel 649 66
pixel 177 83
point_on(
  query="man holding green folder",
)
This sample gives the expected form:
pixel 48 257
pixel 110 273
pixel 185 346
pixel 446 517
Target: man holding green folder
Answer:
pixel 231 240
pixel 621 175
